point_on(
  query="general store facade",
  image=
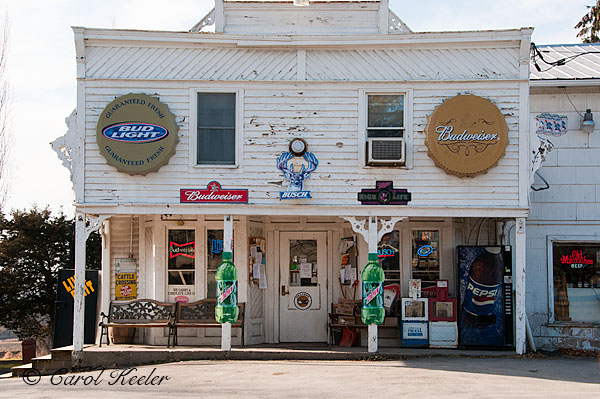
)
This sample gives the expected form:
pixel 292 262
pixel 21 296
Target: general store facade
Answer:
pixel 343 77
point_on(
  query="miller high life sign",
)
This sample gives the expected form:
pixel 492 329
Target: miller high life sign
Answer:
pixel 384 193
pixel 213 194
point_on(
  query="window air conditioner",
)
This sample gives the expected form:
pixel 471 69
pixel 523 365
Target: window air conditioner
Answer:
pixel 386 151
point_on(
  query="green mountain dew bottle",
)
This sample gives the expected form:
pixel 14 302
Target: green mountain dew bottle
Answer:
pixel 226 310
pixel 372 276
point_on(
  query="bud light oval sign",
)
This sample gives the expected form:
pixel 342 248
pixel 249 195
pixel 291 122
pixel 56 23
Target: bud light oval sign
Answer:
pixel 137 134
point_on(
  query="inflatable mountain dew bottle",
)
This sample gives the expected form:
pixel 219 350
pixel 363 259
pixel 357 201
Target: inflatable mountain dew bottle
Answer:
pixel 372 276
pixel 227 309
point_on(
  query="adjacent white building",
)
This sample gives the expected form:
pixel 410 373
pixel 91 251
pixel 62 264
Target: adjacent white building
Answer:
pixel 359 88
pixel 563 229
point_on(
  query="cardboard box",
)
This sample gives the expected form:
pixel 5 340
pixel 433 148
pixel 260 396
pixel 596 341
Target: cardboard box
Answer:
pixel 345 319
pixel 345 307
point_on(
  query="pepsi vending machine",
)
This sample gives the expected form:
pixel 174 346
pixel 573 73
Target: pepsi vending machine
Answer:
pixel 485 296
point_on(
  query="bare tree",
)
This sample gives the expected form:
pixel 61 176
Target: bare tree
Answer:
pixel 5 110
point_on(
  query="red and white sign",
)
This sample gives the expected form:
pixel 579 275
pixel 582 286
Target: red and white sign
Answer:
pixel 213 193
pixel 188 249
pixel 125 290
pixel 182 299
pixel 577 260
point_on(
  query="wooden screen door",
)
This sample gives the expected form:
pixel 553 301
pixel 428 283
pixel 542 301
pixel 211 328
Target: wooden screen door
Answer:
pixel 303 287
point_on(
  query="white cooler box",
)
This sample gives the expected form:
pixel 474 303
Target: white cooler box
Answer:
pixel 443 334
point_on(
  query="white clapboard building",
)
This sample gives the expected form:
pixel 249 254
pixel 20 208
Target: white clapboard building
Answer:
pixel 320 134
pixel 563 239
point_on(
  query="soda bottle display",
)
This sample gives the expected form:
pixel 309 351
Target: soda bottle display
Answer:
pixel 483 286
pixel 372 311
pixel 226 310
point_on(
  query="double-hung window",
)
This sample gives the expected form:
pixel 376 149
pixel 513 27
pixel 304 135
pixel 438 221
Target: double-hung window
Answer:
pixel 386 125
pixel 216 129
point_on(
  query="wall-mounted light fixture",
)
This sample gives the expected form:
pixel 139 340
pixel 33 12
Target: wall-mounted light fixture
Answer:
pixel 301 3
pixel 588 125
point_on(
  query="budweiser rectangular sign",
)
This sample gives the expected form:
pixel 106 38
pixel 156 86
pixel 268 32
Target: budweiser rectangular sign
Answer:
pixel 213 194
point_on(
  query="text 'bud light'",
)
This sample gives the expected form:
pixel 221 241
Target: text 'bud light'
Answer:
pixel 137 132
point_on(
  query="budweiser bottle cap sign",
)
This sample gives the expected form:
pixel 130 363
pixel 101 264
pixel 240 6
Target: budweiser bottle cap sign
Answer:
pixel 466 135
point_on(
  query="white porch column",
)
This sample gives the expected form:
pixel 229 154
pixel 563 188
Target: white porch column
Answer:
pixel 105 276
pixel 79 303
pixel 520 287
pixel 372 343
pixel 83 228
pixel 372 235
pixel 227 239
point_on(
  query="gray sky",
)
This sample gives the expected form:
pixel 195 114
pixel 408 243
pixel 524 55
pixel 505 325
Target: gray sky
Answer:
pixel 42 62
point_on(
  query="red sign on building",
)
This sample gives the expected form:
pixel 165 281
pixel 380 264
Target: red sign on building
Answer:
pixel 213 193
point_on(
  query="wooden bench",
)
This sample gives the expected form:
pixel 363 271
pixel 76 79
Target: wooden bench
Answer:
pixel 139 313
pixel 201 314
pixel 333 323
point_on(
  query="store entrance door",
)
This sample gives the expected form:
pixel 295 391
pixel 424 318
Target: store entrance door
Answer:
pixel 303 287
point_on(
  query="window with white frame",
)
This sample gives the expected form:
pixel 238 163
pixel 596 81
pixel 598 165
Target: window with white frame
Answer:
pixel 388 254
pixel 425 264
pixel 385 129
pixel 576 281
pixel 216 129
pixel 181 263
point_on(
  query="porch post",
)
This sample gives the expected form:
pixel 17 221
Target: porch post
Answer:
pixel 105 276
pixel 227 239
pixel 520 287
pixel 373 344
pixel 79 303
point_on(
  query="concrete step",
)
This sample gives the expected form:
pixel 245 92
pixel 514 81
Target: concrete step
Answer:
pixel 51 364
pixel 42 369
pixel 62 353
pixel 57 360
pixel 18 371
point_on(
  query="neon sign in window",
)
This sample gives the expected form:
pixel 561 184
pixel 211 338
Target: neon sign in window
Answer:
pixel 577 260
pixel 188 249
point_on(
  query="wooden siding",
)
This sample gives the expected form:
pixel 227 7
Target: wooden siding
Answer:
pixel 227 64
pixel 572 166
pixel 285 18
pixel 120 240
pixel 325 115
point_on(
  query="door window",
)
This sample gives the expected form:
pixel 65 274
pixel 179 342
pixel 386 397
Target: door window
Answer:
pixel 303 263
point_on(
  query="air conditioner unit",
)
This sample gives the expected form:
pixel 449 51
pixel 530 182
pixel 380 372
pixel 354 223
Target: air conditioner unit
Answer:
pixel 386 151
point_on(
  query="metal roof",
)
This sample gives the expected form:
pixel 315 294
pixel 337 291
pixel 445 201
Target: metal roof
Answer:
pixel 584 67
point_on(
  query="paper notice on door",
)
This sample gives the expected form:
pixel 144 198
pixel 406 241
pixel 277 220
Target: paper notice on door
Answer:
pixel 262 281
pixel 351 274
pixel 305 270
pixel 256 271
